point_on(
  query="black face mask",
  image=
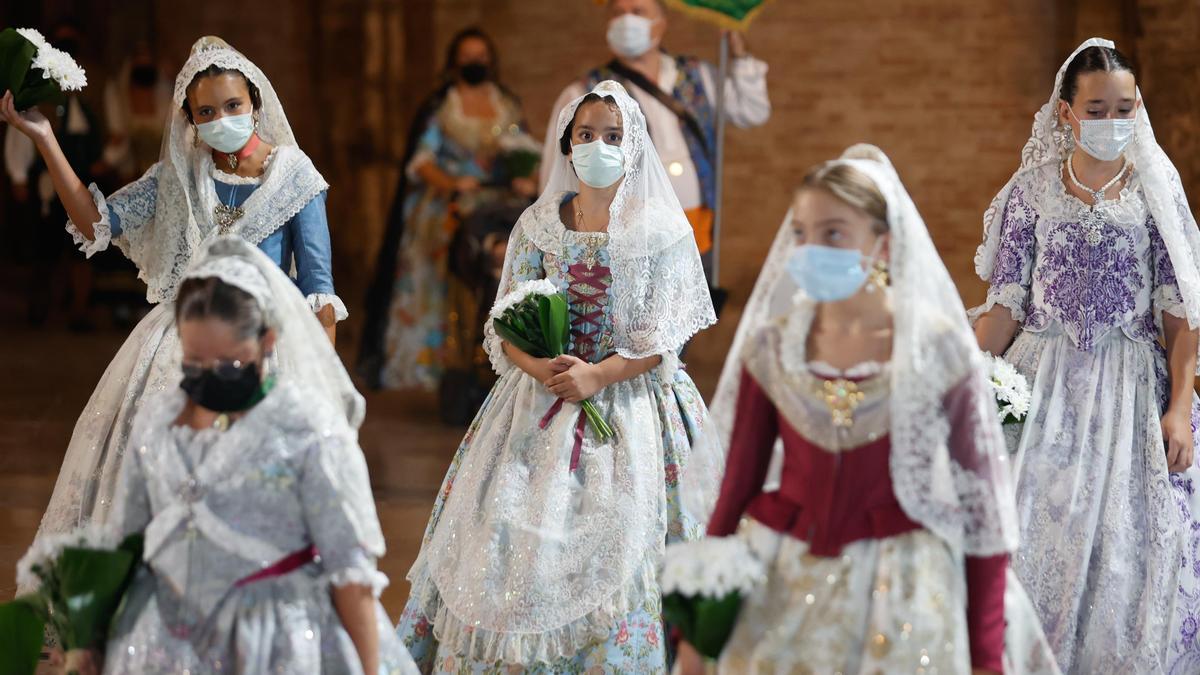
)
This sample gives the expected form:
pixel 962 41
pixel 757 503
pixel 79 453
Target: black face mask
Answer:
pixel 475 73
pixel 143 76
pixel 226 387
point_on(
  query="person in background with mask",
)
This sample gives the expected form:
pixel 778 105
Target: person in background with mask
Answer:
pixel 230 166
pixel 678 95
pixel 56 270
pixel 1093 257
pixel 454 167
pixel 135 104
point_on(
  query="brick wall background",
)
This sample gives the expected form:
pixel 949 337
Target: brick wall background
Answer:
pixel 947 87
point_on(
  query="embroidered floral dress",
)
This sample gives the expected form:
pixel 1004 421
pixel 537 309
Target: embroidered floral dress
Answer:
pixel 246 533
pixel 1107 549
pixel 515 530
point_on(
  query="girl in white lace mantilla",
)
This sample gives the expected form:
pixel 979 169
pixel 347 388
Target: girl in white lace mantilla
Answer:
pixel 252 496
pixel 543 547
pixel 887 536
pixel 229 164
pixel 1093 256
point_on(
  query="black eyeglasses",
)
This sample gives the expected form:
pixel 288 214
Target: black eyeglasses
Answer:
pixel 223 370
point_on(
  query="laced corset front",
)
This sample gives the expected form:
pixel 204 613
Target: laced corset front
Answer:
pixel 584 273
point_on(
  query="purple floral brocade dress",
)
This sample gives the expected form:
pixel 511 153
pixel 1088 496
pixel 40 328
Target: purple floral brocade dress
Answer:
pixel 1108 547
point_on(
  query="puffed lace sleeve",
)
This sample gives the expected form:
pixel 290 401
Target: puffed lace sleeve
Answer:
pixel 1166 296
pixel 339 510
pixel 522 262
pixel 125 211
pixel 1010 281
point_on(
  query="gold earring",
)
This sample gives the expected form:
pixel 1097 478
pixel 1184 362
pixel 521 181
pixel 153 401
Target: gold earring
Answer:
pixel 195 136
pixel 877 276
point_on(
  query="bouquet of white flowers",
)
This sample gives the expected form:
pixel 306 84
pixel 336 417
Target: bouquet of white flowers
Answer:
pixel 1010 389
pixel 33 70
pixel 703 583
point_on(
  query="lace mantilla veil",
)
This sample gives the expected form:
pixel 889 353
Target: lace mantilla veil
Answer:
pixel 1159 180
pixel 962 492
pixel 183 207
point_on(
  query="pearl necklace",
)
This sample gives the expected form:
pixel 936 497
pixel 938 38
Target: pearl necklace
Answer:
pixel 1092 220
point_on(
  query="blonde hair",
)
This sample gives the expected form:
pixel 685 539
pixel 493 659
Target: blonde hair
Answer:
pixel 851 186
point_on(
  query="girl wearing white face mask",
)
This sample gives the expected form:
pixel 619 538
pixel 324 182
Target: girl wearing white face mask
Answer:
pixel 569 525
pixel 1093 256
pixel 229 165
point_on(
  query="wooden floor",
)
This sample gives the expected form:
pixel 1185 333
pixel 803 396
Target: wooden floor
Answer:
pixel 47 375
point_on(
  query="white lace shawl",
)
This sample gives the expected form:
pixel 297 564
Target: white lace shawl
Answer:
pixel 1159 181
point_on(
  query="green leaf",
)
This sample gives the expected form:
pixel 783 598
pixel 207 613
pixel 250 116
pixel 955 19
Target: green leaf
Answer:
pixel 16 53
pixel 93 582
pixel 515 338
pixel 560 322
pixel 21 633
pixel 45 91
pixel 546 321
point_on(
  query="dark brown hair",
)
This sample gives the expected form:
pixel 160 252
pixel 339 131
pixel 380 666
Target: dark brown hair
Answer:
pixel 564 142
pixel 1091 60
pixel 213 71
pixel 211 298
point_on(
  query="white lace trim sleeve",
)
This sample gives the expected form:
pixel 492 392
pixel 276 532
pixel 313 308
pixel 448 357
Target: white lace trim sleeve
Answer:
pixel 101 229
pixel 1011 296
pixel 1167 299
pixel 359 576
pixel 319 301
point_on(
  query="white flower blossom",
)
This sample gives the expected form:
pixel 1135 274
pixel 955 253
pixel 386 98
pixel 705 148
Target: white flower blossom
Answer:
pixel 47 548
pixel 524 290
pixel 1010 389
pixel 59 65
pixel 712 567
pixel 33 36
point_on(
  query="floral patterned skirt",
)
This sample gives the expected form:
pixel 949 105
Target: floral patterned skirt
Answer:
pixel 1109 538
pixel 636 642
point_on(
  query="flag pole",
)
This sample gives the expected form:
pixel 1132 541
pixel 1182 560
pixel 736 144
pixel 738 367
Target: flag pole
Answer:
pixel 718 170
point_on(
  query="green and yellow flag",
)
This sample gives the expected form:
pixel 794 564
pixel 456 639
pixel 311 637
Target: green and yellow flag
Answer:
pixel 730 14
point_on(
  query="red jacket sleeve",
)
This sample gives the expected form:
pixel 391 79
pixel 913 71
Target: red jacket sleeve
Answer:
pixel 985 610
pixel 755 428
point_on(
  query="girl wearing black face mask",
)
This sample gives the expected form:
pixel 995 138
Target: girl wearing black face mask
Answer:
pixel 459 168
pixel 253 496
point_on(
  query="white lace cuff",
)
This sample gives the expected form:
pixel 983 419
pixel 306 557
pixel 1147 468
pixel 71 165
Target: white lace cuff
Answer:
pixel 319 301
pixel 101 230
pixel 494 346
pixel 1167 299
pixel 1011 296
pixel 359 576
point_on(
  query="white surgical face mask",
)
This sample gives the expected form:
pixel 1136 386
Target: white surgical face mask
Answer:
pixel 227 134
pixel 629 35
pixel 1105 139
pixel 598 164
